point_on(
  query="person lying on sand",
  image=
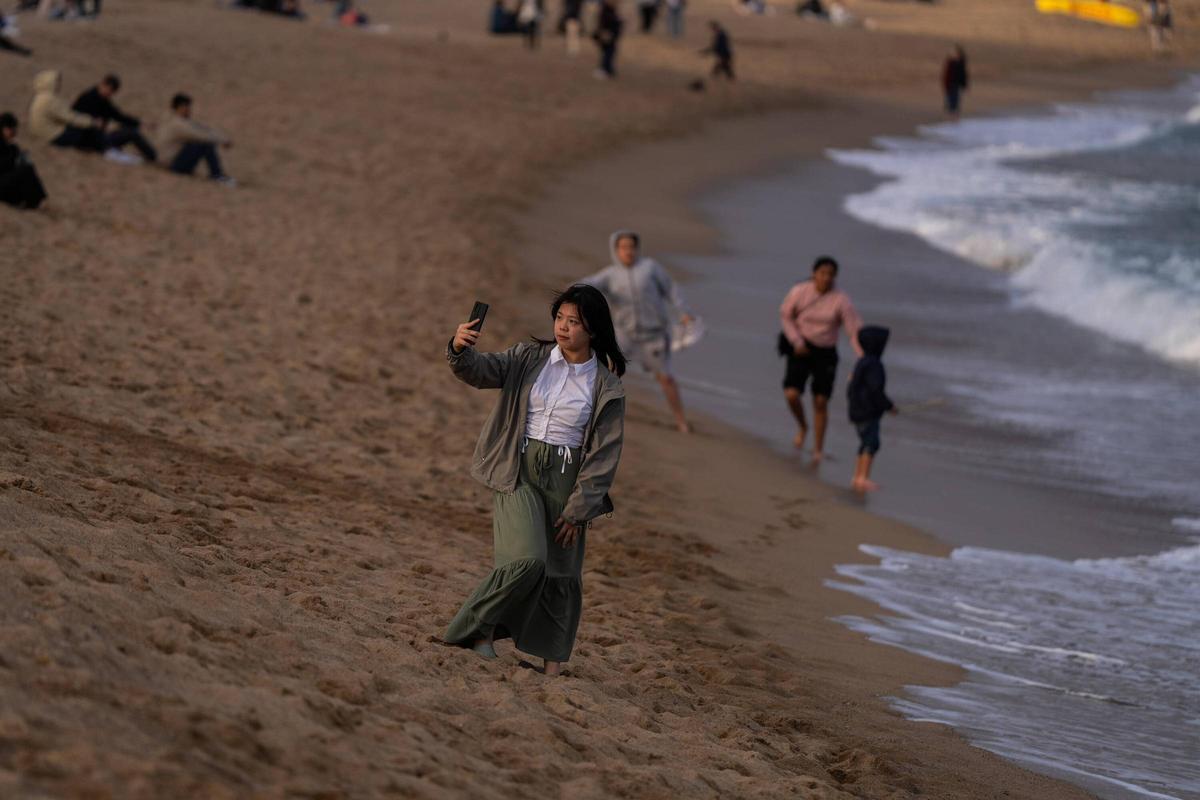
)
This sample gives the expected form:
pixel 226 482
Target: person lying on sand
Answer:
pixel 645 303
pixel 550 451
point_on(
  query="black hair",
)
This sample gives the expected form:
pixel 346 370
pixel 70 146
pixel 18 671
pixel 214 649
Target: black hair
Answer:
pixel 597 321
pixel 8 120
pixel 637 240
pixel 112 81
pixel 180 99
pixel 823 260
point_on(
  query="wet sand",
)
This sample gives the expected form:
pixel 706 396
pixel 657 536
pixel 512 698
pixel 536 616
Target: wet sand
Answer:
pixel 234 506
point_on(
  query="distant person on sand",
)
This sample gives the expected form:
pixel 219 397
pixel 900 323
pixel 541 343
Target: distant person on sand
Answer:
pixel 1160 23
pixel 648 13
pixel 722 49
pixel 606 35
pixel 868 402
pixel 184 143
pixel 675 10
pixel 529 19
pixel 502 21
pixel 6 41
pixel 645 304
pixel 97 102
pixel 19 182
pixel 570 24
pixel 52 120
pixel 550 451
pixel 955 79
pixel 811 315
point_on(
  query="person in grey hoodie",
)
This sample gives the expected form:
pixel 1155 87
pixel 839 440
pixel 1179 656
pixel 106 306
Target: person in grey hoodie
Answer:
pixel 549 451
pixel 646 303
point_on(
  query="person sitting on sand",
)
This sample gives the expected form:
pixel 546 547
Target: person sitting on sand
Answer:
pixel 645 303
pixel 121 129
pixel 722 49
pixel 20 185
pixel 868 402
pixel 52 120
pixel 549 451
pixel 811 315
pixel 184 143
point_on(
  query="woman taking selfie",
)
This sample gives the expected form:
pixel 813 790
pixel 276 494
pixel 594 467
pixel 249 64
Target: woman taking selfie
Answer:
pixel 549 451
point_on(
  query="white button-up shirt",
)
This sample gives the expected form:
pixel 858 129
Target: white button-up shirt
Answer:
pixel 560 402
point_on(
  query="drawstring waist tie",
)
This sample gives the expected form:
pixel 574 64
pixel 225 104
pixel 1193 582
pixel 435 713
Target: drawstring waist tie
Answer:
pixel 562 451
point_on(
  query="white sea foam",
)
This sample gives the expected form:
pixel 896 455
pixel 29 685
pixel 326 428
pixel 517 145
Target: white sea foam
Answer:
pixel 1092 673
pixel 974 189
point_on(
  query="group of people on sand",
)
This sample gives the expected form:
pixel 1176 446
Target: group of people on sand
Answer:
pixel 552 444
pixel 95 124
pixel 525 18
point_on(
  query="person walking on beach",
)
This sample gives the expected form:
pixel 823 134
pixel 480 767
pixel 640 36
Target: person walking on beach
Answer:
pixel 954 79
pixel 529 18
pixel 811 315
pixel 1160 23
pixel 20 185
pixel 648 12
pixel 675 17
pixel 722 49
pixel 606 35
pixel 570 24
pixel 184 143
pixel 549 451
pixel 868 402
pixel 646 304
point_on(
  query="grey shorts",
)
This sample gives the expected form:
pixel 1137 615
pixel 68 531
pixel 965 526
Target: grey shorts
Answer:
pixel 651 354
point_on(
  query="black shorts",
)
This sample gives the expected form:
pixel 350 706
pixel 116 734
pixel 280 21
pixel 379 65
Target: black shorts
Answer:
pixel 819 362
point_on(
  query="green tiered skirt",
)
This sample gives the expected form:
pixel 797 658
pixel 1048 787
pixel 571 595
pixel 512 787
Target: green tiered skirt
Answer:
pixel 535 592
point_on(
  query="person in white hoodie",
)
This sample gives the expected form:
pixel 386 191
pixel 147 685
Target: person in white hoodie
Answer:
pixel 646 304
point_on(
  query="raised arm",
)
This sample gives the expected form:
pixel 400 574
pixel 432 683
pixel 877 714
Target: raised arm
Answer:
pixel 481 370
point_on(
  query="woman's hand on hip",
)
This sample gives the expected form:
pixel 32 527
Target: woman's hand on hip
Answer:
pixel 464 337
pixel 567 533
pixel 800 349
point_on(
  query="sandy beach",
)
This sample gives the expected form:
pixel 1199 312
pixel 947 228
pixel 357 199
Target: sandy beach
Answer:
pixel 235 512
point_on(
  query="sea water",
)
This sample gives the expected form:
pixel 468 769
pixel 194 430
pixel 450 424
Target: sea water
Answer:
pixel 1088 668
pixel 1041 276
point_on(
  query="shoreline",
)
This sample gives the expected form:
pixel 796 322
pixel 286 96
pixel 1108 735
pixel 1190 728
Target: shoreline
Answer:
pixel 689 232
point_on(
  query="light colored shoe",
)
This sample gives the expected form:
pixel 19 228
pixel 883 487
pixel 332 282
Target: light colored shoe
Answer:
pixel 120 157
pixel 485 649
pixel 226 181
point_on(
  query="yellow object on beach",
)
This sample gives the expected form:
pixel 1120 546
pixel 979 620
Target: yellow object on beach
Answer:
pixel 1093 10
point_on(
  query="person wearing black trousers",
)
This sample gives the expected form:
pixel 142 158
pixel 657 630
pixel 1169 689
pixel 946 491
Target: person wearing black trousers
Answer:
pixel 608 31
pixel 722 49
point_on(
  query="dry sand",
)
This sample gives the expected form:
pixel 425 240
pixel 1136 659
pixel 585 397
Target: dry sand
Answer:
pixel 234 509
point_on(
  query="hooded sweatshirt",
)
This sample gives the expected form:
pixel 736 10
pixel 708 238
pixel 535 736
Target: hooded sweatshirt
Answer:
pixel 641 297
pixel 868 401
pixel 49 114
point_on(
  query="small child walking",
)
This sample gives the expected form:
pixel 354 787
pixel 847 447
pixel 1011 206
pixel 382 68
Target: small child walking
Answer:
pixel 868 402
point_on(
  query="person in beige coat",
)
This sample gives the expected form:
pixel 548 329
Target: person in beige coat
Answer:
pixel 50 116
pixel 183 143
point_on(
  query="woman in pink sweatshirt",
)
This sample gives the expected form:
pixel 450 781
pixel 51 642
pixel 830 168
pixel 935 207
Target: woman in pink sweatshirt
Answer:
pixel 811 315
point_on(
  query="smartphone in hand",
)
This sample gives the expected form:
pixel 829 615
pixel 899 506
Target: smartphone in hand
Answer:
pixel 479 312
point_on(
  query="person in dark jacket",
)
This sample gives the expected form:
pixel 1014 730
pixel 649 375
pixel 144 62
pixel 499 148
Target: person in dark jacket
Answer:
pixel 868 402
pixel 120 128
pixel 722 49
pixel 19 182
pixel 954 79
pixel 608 31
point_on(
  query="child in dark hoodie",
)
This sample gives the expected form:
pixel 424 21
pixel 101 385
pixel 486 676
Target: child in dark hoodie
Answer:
pixel 868 402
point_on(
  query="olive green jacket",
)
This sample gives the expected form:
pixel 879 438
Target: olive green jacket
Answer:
pixel 497 460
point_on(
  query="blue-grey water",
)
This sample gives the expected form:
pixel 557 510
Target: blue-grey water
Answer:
pixel 1041 275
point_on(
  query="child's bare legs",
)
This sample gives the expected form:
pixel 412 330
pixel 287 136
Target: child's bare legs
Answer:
pixel 862 474
pixel 820 423
pixel 674 401
pixel 795 402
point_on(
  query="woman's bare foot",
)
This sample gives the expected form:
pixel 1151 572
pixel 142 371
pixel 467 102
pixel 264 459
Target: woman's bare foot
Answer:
pixel 863 485
pixel 798 439
pixel 817 457
pixel 683 426
pixel 552 668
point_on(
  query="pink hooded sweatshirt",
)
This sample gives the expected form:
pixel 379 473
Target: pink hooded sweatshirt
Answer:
pixel 807 315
